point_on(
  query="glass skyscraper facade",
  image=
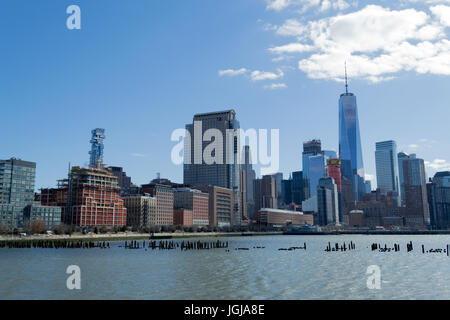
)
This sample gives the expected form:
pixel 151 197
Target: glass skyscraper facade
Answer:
pixel 387 168
pixel 350 151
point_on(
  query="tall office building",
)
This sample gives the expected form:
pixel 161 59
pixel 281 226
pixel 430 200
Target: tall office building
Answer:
pixel 224 172
pixel 439 200
pixel 350 151
pixel 402 156
pixel 417 214
pixel 96 153
pixel 327 202
pixel 250 176
pixel 16 190
pixel 334 171
pixel 387 168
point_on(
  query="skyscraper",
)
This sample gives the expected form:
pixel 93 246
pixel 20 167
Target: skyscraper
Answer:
pixel 96 159
pixel 327 202
pixel 402 156
pixel 387 168
pixel 311 172
pixel 223 171
pixel 417 212
pixel 439 200
pixel 250 175
pixel 350 151
pixel 298 192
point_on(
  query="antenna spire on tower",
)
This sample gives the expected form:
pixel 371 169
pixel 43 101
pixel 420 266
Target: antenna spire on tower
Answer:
pixel 346 82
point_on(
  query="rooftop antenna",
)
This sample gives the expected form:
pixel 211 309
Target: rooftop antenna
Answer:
pixel 346 82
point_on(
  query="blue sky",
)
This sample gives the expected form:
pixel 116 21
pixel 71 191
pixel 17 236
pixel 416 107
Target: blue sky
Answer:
pixel 142 68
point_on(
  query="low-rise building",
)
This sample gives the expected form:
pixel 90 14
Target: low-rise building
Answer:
pixel 277 219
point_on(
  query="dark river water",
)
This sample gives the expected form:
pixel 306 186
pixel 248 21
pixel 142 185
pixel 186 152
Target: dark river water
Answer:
pixel 264 273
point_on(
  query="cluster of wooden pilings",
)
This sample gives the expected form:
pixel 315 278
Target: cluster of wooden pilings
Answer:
pixel 380 248
pixel 171 245
pixel 340 247
pixel 55 244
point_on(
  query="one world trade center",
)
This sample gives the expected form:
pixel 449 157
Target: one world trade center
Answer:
pixel 350 151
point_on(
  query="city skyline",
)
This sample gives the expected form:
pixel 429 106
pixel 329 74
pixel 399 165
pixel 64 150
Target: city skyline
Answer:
pixel 129 94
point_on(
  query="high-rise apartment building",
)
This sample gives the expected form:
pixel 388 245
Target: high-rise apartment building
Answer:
pixel 387 168
pixel 17 179
pixel 350 151
pixel 223 164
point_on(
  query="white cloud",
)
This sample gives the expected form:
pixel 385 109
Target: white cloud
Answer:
pixel 438 165
pixel 413 146
pixel 232 73
pixel 263 75
pixel 274 86
pixel 291 48
pixel 443 13
pixel 320 5
pixel 376 42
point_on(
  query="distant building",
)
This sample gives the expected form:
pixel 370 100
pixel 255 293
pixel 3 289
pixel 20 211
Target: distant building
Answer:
pixel 17 179
pixel 265 192
pixel 327 202
pixel 312 151
pixel 278 181
pixel 439 200
pixel 194 200
pixel 334 171
pixel 277 219
pixel 164 195
pixel 220 205
pixel 400 157
pixel 141 210
pixel 250 176
pixel 286 187
pixel 123 180
pixel 298 187
pixel 93 199
pixel 387 168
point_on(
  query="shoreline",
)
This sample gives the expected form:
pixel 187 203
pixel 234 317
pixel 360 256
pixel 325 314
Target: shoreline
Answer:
pixel 133 236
